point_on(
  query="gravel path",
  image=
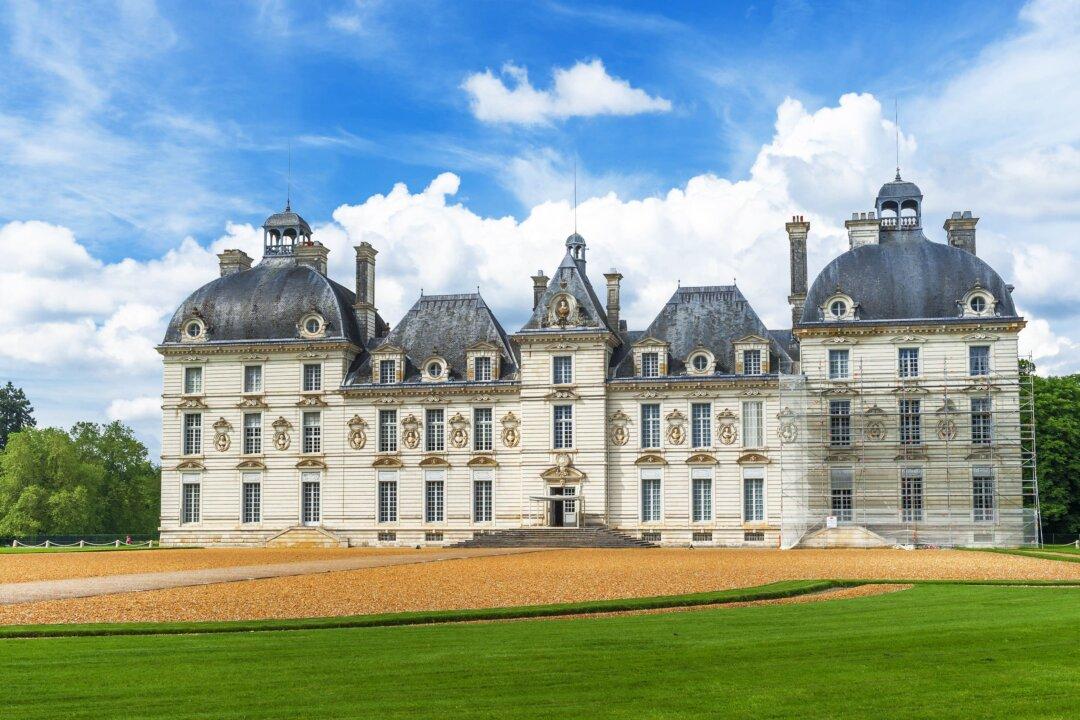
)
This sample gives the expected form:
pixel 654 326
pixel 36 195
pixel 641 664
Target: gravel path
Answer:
pixel 28 592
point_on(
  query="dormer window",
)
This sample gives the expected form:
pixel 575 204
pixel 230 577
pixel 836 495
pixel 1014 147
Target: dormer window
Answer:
pixel 839 307
pixel 435 369
pixel 482 362
pixel 751 362
pixel 700 362
pixel 388 365
pixel 194 330
pixel 482 369
pixel 651 357
pixel 751 355
pixel 977 302
pixel 650 364
pixel 387 372
pixel 312 325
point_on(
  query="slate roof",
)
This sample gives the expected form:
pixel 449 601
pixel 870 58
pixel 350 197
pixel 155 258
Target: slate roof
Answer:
pixel 443 325
pixel 267 303
pixel 713 317
pixel 571 272
pixel 905 277
pixel 287 219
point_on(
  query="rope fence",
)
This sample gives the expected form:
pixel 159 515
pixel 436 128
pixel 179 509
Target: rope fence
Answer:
pixel 83 543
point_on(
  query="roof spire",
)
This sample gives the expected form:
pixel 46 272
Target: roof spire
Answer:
pixel 575 194
pixel 896 133
pixel 288 183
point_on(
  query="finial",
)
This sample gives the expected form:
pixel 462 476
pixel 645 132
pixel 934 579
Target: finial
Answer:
pixel 288 184
pixel 896 134
pixel 575 195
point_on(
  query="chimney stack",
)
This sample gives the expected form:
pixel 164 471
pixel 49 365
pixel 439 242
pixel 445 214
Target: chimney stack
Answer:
pixel 365 289
pixel 313 254
pixel 613 277
pixel 960 229
pixel 862 229
pixel 233 261
pixel 540 283
pixel 797 231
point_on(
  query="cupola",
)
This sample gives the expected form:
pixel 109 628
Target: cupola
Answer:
pixel 283 231
pixel 899 205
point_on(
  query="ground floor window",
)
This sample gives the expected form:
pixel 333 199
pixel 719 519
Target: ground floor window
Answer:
pixel 482 496
pixel 251 499
pixel 387 496
pixel 190 503
pixel 310 499
pixel 754 495
pixel 701 494
pixel 841 494
pixel 434 496
pixel 650 495
pixel 983 501
pixel 911 495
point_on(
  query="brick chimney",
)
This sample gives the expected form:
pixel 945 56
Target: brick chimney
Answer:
pixel 233 261
pixel 960 230
pixel 862 229
pixel 797 231
pixel 313 254
pixel 540 283
pixel 613 277
pixel 365 289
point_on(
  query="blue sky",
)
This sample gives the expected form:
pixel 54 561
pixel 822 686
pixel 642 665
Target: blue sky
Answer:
pixel 140 138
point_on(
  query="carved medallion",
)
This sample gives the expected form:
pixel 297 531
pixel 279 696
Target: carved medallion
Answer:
pixel 676 433
pixel 410 431
pixel 618 422
pixel 946 429
pixel 222 428
pixel 459 436
pixel 357 432
pixel 787 430
pixel 729 433
pixel 281 433
pixel 511 434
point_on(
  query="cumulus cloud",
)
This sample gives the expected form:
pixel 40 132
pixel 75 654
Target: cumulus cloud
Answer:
pixel 135 409
pixel 583 90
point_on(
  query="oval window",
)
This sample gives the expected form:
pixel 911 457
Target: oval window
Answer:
pixel 194 329
pixel 838 308
pixel 700 362
pixel 434 369
pixel 313 326
pixel 978 303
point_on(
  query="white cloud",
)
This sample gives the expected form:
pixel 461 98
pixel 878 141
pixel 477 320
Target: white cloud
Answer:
pixel 135 409
pixel 584 90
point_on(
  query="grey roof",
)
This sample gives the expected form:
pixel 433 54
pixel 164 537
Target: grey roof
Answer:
pixel 267 303
pixel 287 219
pixel 571 278
pixel 785 339
pixel 899 189
pixel 443 325
pixel 906 277
pixel 713 317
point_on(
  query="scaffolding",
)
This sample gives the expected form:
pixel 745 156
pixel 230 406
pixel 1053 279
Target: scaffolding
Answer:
pixel 947 459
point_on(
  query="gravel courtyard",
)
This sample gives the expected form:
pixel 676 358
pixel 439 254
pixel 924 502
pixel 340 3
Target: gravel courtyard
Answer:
pixel 539 577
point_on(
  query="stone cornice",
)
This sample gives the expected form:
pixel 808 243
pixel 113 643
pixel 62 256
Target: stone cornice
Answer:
pixel 734 382
pixel 947 327
pixel 426 390
pixel 275 346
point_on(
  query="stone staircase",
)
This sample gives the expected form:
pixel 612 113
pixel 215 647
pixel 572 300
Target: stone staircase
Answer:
pixel 303 536
pixel 586 537
pixel 844 536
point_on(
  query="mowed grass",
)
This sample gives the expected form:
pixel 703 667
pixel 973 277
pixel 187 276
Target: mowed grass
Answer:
pixel 935 651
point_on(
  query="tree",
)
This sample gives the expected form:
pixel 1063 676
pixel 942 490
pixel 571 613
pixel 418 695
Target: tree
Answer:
pixel 1057 439
pixel 130 493
pixel 16 412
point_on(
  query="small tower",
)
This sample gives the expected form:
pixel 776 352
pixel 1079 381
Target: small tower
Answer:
pixel 283 231
pixel 899 205
pixel 575 245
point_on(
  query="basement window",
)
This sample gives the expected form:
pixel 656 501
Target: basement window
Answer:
pixel 650 536
pixel 387 536
pixel 754 536
pixel 433 537
pixel 702 537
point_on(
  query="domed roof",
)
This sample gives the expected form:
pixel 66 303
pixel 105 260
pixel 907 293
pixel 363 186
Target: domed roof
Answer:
pixel 574 239
pixel 906 279
pixel 897 188
pixel 267 302
pixel 287 219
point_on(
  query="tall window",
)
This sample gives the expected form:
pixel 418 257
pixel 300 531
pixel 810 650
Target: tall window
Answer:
pixel 253 378
pixel 482 496
pixel 650 495
pixel 840 423
pixel 910 422
pixel 482 424
pixel 562 370
pixel 650 364
pixel 909 362
pixel 252 433
pixel 839 365
pixel 701 425
pixel 650 426
pixel 190 508
pixel 841 494
pixel 312 377
pixel 982 430
pixel 752 419
pixel 434 430
pixel 251 499
pixel 388 431
pixel 482 369
pixel 983 501
pixel 563 432
pixel 387 371
pixel 754 494
pixel 434 496
pixel 979 360
pixel 312 432
pixel 192 433
pixel 751 362
pixel 387 496
pixel 192 380
pixel 911 495
pixel 701 494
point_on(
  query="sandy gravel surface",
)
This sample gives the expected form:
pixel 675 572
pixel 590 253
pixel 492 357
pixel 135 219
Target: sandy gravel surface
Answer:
pixel 27 567
pixel 544 577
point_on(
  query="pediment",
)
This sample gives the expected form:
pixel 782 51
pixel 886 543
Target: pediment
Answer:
pixel 387 461
pixel 482 461
pixel 191 465
pixel 434 462
pixel 753 458
pixel 388 349
pixel 650 459
pixel 562 394
pixel 701 459
pixel 650 342
pixel 557 473
pixel 251 465
pixel 310 464
pixel 751 340
pixel 483 345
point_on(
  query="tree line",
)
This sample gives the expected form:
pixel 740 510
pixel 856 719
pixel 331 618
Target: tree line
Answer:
pixel 92 479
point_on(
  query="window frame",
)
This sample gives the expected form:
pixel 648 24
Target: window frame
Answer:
pixel 191 434
pixel 384 364
pixel 655 502
pixel 759 429
pixel 910 423
pixel 986 510
pixel 197 371
pixel 434 512
pixel 756 365
pixel 982 421
pixel 434 430
pixel 483 477
pixel 246 388
pixel 904 368
pixel 842 514
pixel 247 517
pixel 387 431
pixel 317 374
pixel 556 442
pixel 483 430
pixel 562 365
pixel 701 513
pixel 311 433
pixel 912 495
pixel 251 443
pixel 386 509
pixel 840 429
pixel 835 354
pixel 650 427
pixel 985 361
pixel 753 473
pixel 705 431
pixel 187 515
pixel 647 358
pixel 489 371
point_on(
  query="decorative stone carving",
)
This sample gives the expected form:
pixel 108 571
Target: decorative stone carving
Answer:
pixel 511 433
pixel 875 424
pixel 222 428
pixel 563 469
pixel 787 430
pixel 620 433
pixel 729 432
pixel 357 432
pixel 483 461
pixel 252 402
pixel 676 432
pixel 311 401
pixel 410 431
pixel 564 311
pixel 650 459
pixel 191 403
pixel 434 461
pixel 459 436
pixel 281 433
pixel 753 457
pixel 946 429
pixel 562 394
pixel 701 459
pixel 387 461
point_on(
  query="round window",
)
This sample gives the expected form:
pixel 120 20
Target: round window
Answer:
pixel 700 362
pixel 193 329
pixel 313 326
pixel 434 369
pixel 978 303
pixel 838 308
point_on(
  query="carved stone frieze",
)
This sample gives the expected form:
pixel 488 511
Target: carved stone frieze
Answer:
pixel 511 430
pixel 676 427
pixel 357 432
pixel 410 431
pixel 459 435
pixel 618 428
pixel 281 433
pixel 222 428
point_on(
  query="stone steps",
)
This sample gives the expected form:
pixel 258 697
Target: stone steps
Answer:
pixel 304 536
pixel 844 536
pixel 592 537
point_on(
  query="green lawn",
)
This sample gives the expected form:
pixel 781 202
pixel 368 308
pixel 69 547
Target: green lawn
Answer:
pixel 945 651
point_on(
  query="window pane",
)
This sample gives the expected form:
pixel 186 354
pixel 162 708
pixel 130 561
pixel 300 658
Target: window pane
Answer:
pixel 911 495
pixel 312 432
pixel 434 509
pixel 840 423
pixel 312 377
pixel 192 434
pixel 650 426
pixel 434 430
pixel 702 499
pixel 983 500
pixel 192 380
pixel 482 422
pixel 981 421
pixel 650 499
pixel 252 496
pixel 753 499
pixel 838 364
pixel 753 431
pixel 253 378
pixel 910 422
pixel 650 364
pixel 252 433
pixel 701 425
pixel 387 501
pixel 979 360
pixel 388 431
pixel 190 510
pixel 562 370
pixel 482 369
pixel 387 371
pixel 564 426
pixel 751 362
pixel 841 488
pixel 482 500
pixel 909 362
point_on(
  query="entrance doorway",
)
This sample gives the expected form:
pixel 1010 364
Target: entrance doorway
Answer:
pixel 564 512
pixel 310 503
